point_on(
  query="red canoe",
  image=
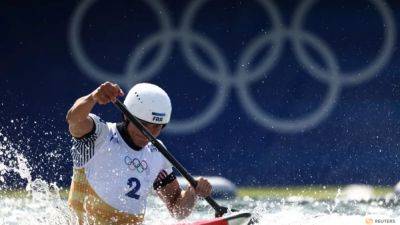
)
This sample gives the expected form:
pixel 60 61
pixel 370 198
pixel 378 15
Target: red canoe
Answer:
pixel 236 219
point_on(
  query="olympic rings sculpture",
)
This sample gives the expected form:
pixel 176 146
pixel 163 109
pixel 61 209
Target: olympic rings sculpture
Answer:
pixel 333 76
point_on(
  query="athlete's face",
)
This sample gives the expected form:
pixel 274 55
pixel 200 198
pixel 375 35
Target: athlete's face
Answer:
pixel 138 138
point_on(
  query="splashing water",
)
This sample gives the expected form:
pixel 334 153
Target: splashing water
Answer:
pixel 41 203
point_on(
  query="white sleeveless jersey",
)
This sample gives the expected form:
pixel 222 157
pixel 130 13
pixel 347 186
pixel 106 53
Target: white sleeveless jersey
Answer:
pixel 120 176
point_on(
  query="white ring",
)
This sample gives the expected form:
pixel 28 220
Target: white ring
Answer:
pixel 243 75
pixel 132 75
pixel 97 73
pixel 359 76
pixel 306 122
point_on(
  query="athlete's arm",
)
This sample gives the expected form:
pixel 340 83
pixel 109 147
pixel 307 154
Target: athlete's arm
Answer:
pixel 78 115
pixel 181 202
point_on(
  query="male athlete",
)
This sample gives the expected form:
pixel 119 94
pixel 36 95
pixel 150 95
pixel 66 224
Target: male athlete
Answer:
pixel 115 165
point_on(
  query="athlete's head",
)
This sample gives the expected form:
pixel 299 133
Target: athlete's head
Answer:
pixel 152 106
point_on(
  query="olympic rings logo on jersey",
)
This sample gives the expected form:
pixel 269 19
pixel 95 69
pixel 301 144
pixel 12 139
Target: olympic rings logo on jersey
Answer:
pixel 242 76
pixel 136 164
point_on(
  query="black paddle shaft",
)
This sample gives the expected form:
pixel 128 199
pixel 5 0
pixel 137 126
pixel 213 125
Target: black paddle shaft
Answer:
pixel 219 210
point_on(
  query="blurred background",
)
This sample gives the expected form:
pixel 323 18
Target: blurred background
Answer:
pixel 264 93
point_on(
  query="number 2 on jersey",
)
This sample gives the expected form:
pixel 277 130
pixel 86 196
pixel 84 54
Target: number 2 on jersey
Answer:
pixel 133 183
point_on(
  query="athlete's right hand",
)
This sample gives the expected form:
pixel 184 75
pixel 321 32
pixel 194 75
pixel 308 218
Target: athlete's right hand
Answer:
pixel 106 93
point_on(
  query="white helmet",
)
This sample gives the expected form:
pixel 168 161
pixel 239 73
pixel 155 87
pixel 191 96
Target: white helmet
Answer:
pixel 149 102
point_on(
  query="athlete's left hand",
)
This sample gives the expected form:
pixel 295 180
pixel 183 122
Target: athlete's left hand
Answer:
pixel 203 188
